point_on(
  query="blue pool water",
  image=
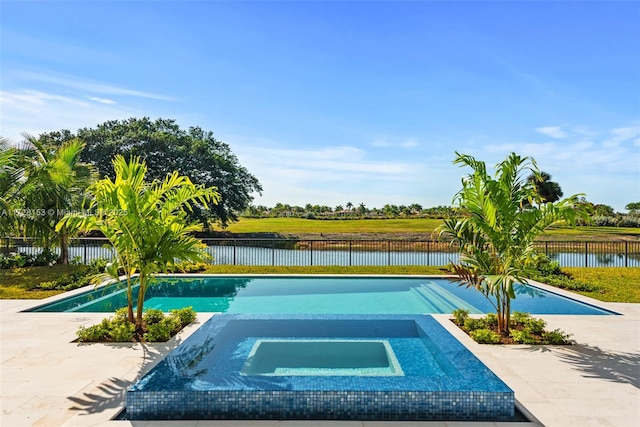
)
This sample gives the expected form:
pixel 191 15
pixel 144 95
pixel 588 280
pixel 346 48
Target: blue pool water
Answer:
pixel 210 374
pixel 320 295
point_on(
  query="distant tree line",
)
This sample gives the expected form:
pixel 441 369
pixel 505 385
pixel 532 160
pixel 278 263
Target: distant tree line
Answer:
pixel 601 215
pixel 349 211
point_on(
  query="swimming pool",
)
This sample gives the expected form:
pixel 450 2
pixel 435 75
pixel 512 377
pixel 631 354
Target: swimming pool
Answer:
pixel 421 372
pixel 319 295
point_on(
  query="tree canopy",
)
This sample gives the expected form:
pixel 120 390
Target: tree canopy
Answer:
pixel 548 190
pixel 633 207
pixel 166 148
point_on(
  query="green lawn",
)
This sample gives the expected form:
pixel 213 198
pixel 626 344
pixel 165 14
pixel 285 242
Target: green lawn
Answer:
pixel 301 226
pixel 20 283
pixel 317 226
pixel 615 284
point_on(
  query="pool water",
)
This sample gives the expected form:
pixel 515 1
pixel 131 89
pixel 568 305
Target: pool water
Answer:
pixel 333 357
pixel 319 295
pixel 206 376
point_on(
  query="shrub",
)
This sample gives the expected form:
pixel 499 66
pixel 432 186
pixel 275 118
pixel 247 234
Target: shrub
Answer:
pixel 45 258
pixel 535 326
pixel 22 259
pixel 525 329
pixel 523 337
pixel 605 221
pixel 491 321
pixel 545 266
pixel 121 315
pixel 163 330
pixel 549 272
pixel 184 315
pixel 471 324
pixel 629 221
pixel 460 315
pixel 519 318
pixel 555 337
pixel 78 278
pixel 118 329
pixel 94 333
pixel 189 267
pixel 152 316
pixel 485 336
pixel 122 332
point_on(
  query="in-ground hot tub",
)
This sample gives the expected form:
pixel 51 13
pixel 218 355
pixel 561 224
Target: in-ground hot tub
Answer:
pixel 314 357
pixel 342 367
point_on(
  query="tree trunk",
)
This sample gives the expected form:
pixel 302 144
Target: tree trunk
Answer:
pixel 141 291
pixel 64 246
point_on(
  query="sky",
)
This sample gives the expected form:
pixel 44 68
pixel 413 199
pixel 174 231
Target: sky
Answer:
pixel 336 102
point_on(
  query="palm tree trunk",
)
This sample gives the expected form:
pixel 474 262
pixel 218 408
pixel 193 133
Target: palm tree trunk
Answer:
pixel 64 245
pixel 139 304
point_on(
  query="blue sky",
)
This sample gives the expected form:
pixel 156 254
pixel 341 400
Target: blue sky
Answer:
pixel 333 102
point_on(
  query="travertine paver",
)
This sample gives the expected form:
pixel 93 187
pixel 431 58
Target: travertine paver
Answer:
pixel 47 380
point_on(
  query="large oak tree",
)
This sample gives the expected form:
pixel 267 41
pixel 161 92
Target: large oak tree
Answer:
pixel 165 148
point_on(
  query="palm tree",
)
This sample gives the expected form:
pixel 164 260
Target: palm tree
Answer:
pixel 548 190
pixel 11 174
pixel 501 217
pixel 145 222
pixel 55 183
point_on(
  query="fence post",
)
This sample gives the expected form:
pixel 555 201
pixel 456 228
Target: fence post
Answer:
pixel 350 252
pixel 84 247
pixel 273 252
pixel 311 248
pixel 388 252
pixel 626 253
pixel 586 254
pixel 234 251
pixel 428 252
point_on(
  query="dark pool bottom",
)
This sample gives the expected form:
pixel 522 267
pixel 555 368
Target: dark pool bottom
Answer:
pixel 214 375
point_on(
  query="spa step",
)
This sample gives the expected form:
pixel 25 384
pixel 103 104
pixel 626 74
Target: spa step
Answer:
pixel 440 300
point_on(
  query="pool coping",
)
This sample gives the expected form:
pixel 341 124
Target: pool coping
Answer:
pixel 45 376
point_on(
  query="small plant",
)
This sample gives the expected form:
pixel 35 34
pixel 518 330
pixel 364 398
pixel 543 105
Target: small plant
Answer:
pixel 94 333
pixel 491 321
pixel 523 336
pixel 535 326
pixel 152 316
pixel 518 318
pixel 163 330
pixel 157 326
pixel 472 324
pixel 555 337
pixel 460 315
pixel 485 336
pixel 184 315
pixel 525 329
pixel 122 332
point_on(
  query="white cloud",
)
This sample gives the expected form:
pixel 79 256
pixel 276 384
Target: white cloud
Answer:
pixel 89 86
pixel 552 131
pixel 621 135
pixel 35 112
pixel 102 100
pixel 409 143
pixel 329 163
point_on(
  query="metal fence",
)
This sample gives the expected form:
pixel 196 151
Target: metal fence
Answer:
pixel 293 252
